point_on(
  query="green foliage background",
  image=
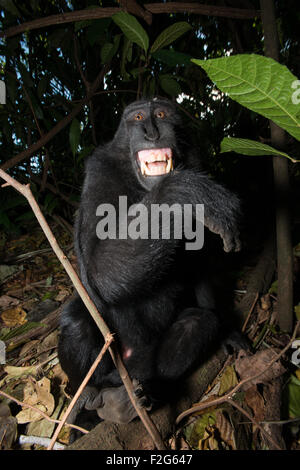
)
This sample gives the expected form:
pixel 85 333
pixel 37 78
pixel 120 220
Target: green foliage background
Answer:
pixel 43 70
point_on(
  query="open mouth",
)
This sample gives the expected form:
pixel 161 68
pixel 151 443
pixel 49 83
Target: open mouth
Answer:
pixel 155 162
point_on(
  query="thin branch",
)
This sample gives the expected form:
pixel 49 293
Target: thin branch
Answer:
pixel 108 341
pixel 200 9
pixel 25 190
pixel 250 312
pixel 62 18
pixel 253 421
pixel 150 8
pixel 132 7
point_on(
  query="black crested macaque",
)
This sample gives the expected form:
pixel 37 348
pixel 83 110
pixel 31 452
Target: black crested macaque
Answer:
pixel 152 292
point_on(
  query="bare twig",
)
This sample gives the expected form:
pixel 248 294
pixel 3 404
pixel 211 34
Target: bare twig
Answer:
pixel 25 190
pixel 250 312
pixel 253 421
pixel 108 341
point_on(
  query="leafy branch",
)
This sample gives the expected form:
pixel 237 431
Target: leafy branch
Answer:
pixel 262 85
pixel 135 33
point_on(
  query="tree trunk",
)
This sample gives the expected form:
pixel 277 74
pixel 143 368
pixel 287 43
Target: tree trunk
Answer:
pixel 281 187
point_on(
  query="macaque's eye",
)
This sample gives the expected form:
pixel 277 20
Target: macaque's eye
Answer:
pixel 161 114
pixel 138 117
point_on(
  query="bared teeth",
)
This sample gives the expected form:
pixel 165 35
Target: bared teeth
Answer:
pixel 143 168
pixel 169 165
pixel 155 162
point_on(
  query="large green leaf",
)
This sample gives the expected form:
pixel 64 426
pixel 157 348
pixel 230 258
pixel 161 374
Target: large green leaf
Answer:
pixel 132 29
pixel 170 35
pixel 258 83
pixel 249 147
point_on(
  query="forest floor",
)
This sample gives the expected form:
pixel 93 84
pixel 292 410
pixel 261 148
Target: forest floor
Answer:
pixel 33 387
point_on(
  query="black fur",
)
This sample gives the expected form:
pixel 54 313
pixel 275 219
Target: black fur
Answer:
pixel 152 293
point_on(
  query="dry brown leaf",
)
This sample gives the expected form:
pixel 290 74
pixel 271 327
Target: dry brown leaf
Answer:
pixel 27 347
pixel 15 373
pixel 58 375
pixel 8 427
pixel 209 441
pixel 176 443
pixel 50 341
pixel 265 302
pixel 256 402
pixel 14 317
pixel 225 429
pixel 37 394
pixel 7 301
pixel 62 295
pixel 248 365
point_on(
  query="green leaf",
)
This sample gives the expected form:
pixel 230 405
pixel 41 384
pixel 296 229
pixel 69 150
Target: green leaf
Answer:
pixel 127 51
pixel 109 49
pixel 297 311
pixel 260 84
pixel 228 380
pixel 19 330
pixel 132 29
pixel 294 397
pixel 170 35
pixel 274 288
pixel 172 58
pixel 169 85
pixel 74 135
pixel 107 52
pixel 249 147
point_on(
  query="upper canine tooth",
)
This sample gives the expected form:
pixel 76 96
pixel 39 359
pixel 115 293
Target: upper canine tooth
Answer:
pixel 169 165
pixel 143 168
